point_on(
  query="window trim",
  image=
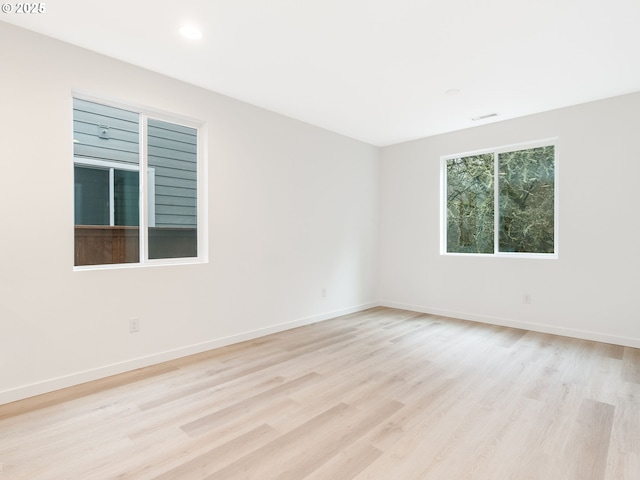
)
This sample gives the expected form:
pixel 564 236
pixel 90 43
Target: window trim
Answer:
pixel 552 141
pixel 144 114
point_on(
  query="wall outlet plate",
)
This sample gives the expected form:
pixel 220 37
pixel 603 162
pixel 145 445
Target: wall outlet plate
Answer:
pixel 134 325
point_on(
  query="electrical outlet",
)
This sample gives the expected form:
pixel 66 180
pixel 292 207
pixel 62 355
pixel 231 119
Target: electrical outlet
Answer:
pixel 324 292
pixel 526 298
pixel 134 325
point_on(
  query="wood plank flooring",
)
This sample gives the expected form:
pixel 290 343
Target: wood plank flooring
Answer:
pixel 383 394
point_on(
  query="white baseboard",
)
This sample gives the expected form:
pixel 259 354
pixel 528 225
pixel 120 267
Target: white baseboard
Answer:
pixel 535 327
pixel 77 378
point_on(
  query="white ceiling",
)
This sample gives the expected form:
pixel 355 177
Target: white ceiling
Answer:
pixel 374 70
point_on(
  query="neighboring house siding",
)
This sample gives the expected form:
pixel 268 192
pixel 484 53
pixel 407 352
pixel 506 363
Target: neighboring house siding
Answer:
pixel 171 153
pixel 122 146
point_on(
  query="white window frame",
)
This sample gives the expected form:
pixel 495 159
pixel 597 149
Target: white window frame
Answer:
pixel 147 189
pixel 496 218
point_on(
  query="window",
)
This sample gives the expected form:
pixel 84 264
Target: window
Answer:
pixel 511 212
pixel 121 215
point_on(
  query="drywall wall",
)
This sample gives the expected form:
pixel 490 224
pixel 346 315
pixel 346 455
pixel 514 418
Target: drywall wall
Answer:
pixel 292 209
pixel 588 292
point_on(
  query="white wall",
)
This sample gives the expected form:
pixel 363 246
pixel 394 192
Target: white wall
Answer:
pixel 292 209
pixel 589 292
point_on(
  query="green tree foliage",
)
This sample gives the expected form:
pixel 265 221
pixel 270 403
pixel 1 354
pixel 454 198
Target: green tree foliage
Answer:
pixel 526 199
pixel 470 204
pixel 525 202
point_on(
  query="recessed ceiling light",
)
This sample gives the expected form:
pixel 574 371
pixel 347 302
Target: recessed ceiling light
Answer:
pixel 191 32
pixel 452 91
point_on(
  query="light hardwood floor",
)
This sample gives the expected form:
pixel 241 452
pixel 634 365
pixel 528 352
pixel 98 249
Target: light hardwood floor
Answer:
pixel 383 394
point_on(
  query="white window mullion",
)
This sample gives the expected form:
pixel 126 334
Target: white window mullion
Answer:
pixel 496 206
pixel 112 197
pixel 144 209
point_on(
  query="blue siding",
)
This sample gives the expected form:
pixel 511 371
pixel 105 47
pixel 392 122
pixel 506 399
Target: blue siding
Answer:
pixel 171 152
pixel 122 146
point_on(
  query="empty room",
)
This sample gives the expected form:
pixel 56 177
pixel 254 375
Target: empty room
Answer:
pixel 305 240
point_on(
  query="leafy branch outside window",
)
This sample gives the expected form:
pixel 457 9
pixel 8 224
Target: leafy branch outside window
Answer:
pixel 525 184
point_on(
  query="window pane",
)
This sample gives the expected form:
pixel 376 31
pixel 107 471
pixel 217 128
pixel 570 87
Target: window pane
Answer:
pixel 126 193
pixel 526 199
pixel 106 197
pixel 91 192
pixel 172 156
pixel 470 223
